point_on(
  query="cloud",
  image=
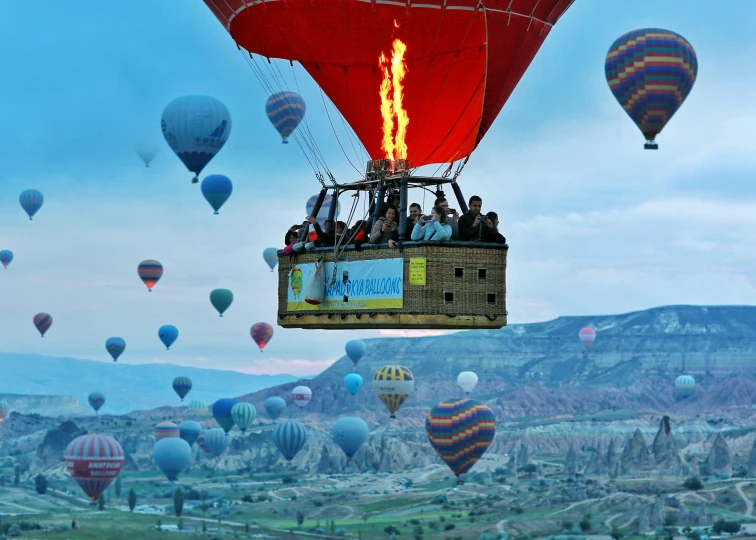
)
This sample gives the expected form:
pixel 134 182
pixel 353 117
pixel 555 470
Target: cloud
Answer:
pixel 279 366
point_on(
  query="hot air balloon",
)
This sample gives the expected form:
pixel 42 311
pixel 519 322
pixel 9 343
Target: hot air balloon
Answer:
pixel 216 441
pixel 289 437
pixel 172 456
pixel 296 282
pixel 4 410
pixel 94 461
pixel 43 322
pixel 271 257
pixel 166 430
pixel 31 201
pixel 201 441
pixel 285 111
pixel 324 209
pixel 353 383
pixel 261 333
pixel 355 350
pixel 243 414
pixel 221 300
pixel 222 413
pixel 393 384
pixel 197 407
pixel 115 347
pixel 96 401
pixel 196 128
pixel 274 405
pixel 150 271
pixel 651 71
pixel 350 433
pixel 454 87
pixel 147 155
pixel 216 189
pixel 6 256
pixel 301 395
pixel 467 380
pixel 189 430
pixel 685 385
pixel 182 386
pixel 460 431
pixel 168 334
pixel 587 335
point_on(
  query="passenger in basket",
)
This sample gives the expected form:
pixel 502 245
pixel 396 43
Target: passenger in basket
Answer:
pixel 452 214
pixel 292 242
pixel 386 229
pixel 471 224
pixel 415 213
pixel 491 230
pixel 324 240
pixel 434 227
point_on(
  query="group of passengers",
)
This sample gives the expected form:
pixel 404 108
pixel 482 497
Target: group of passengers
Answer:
pixel 443 224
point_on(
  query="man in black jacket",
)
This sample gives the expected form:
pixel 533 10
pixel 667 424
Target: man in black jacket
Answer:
pixel 470 224
pixel 491 230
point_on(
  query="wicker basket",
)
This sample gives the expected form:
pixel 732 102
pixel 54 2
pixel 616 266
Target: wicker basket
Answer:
pixel 465 288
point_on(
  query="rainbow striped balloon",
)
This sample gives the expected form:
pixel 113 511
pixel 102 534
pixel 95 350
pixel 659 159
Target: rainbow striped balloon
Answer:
pixel 460 431
pixel 285 111
pixel 651 72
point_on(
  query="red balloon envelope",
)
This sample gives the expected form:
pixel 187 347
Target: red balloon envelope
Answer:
pixel 94 461
pixel 261 332
pixel 587 336
pixel 463 59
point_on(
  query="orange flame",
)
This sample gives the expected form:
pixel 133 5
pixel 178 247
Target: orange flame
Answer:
pixel 392 95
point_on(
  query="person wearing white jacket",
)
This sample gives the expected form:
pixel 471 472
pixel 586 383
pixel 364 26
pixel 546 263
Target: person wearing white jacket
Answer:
pixel 433 228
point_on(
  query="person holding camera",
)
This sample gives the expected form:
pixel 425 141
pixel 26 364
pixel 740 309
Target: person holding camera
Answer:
pixel 491 230
pixel 386 229
pixel 471 224
pixel 432 228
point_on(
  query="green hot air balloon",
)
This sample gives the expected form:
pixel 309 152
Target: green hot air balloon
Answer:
pixel 221 300
pixel 243 415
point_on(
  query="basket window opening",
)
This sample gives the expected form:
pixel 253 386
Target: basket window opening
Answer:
pixel 448 297
pixel 482 274
pixel 491 298
pixel 459 272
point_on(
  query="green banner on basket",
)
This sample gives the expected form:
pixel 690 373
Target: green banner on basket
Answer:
pixel 367 285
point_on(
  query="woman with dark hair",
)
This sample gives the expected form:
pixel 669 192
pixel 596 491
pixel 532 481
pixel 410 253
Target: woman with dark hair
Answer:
pixel 386 228
pixel 432 228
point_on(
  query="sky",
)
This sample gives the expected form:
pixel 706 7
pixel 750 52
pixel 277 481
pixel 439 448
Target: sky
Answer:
pixel 595 224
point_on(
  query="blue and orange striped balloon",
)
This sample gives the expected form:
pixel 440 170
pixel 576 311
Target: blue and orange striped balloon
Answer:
pixel 285 111
pixel 460 431
pixel 651 72
pixel 150 271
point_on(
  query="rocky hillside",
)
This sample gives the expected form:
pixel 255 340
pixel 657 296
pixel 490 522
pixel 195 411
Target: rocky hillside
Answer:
pixel 44 405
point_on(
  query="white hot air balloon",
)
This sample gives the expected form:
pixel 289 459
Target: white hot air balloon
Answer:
pixel 302 396
pixel 587 336
pixel 468 381
pixel 685 384
pixel 147 154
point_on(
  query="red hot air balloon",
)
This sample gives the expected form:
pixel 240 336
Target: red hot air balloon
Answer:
pixel 150 271
pixel 94 461
pixel 463 59
pixel 261 332
pixel 587 335
pixel 43 322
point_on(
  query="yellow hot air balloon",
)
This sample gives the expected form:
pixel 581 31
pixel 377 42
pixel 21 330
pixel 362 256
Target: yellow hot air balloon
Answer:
pixel 296 281
pixel 393 384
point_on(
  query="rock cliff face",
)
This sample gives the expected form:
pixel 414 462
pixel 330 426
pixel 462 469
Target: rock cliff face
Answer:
pixel 720 458
pixel 571 463
pixel 635 457
pixel 54 444
pixel 664 449
pixel 752 460
pixel 50 406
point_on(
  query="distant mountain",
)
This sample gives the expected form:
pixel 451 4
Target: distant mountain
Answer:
pixel 542 368
pixel 126 386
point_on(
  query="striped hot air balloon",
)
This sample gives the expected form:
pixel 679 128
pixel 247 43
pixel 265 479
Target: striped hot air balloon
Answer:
pixel 289 437
pixel 221 299
pixel 198 407
pixel 685 384
pixel 31 201
pixel 216 441
pixel 587 336
pixel 243 414
pixel 150 271
pixel 43 322
pixel 460 431
pixel 201 442
pixel 182 386
pixel 166 430
pixel 651 71
pixel 393 384
pixel 285 111
pixel 261 333
pixel 301 396
pixel 94 461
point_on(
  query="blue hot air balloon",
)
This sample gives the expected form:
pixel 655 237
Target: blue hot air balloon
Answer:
pixel 289 437
pixel 115 347
pixel 168 335
pixel 350 433
pixel 31 201
pixel 216 441
pixel 269 254
pixel 196 128
pixel 274 405
pixel 6 256
pixel 222 413
pixel 216 189
pixel 353 383
pixel 182 386
pixel 189 430
pixel 355 350
pixel 96 400
pixel 172 455
pixel 285 111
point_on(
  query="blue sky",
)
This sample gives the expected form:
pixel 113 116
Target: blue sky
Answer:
pixel 595 223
